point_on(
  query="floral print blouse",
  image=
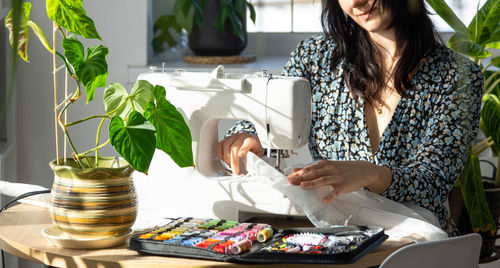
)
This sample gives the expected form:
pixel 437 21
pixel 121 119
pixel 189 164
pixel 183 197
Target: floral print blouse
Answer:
pixel 427 140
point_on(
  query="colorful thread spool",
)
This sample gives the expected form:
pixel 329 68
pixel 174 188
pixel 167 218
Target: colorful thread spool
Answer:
pixel 241 246
pixel 265 234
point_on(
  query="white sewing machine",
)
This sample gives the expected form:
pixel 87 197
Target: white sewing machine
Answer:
pixel 280 109
pixel 278 106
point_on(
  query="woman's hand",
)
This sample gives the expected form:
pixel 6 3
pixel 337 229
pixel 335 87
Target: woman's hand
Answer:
pixel 233 147
pixel 343 176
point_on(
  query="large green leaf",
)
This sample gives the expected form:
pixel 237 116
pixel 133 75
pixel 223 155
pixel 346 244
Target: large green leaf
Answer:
pixel 494 41
pixel 490 115
pixel 184 14
pixel 73 50
pixel 463 45
pixel 172 133
pixel 471 186
pixel 485 22
pixel 117 102
pixel 91 70
pixel 22 45
pixel 71 15
pixel 251 8
pixel 163 25
pixel 445 12
pixel 135 142
pixel 496 62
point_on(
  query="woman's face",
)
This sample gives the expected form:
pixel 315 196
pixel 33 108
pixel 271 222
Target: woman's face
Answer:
pixel 373 20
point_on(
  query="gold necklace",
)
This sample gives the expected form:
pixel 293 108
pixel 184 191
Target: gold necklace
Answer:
pixel 380 108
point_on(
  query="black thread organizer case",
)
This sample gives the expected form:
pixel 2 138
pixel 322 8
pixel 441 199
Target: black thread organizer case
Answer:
pixel 231 241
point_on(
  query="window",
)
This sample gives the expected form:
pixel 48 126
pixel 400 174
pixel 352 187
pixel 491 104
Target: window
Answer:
pixel 288 16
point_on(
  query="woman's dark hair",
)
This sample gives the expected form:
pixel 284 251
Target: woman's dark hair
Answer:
pixel 415 35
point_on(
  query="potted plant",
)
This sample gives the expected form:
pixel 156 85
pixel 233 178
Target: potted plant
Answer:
pixel 477 41
pixel 94 195
pixel 214 27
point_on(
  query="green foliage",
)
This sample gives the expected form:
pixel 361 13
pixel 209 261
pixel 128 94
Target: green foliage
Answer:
pixel 445 12
pixel 475 201
pixel 170 132
pixel 490 115
pixel 135 142
pixel 173 135
pixel 91 70
pixel 133 136
pixel 118 102
pixel 186 13
pixel 71 15
pixel 23 32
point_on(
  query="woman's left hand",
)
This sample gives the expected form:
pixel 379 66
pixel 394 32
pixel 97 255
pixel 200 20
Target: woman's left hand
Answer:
pixel 343 176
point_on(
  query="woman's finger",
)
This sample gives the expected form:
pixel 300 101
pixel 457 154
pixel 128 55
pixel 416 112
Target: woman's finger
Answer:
pixel 318 182
pixel 303 175
pixel 247 145
pixel 226 149
pixel 234 157
pixel 332 195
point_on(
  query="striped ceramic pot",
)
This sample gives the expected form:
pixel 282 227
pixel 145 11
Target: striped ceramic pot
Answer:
pixel 97 202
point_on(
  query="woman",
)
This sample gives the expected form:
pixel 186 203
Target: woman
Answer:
pixel 394 111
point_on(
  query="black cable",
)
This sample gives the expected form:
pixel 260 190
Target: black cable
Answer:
pixel 23 196
pixel 12 202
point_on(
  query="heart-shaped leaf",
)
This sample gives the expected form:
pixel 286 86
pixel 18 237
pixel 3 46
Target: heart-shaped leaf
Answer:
pixel 172 133
pixel 71 15
pixel 135 142
pixel 91 71
pixel 117 102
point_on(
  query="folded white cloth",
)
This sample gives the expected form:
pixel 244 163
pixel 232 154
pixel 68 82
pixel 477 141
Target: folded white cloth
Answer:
pixel 17 189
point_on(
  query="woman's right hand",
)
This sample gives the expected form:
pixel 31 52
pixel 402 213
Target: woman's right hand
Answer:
pixel 238 145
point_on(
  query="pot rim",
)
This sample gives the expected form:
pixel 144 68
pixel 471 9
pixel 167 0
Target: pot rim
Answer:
pixel 123 165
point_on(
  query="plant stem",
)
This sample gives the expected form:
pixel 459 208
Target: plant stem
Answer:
pixel 489 89
pixel 97 141
pixel 94 149
pixel 74 149
pixel 88 118
pixel 478 148
pixel 65 130
pixel 65 63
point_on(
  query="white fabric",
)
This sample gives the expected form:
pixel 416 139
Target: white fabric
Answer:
pixel 358 208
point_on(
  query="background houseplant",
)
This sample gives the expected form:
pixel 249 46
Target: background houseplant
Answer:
pixel 214 27
pixel 478 41
pixel 140 121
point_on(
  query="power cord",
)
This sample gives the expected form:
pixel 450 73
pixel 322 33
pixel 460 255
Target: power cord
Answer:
pixel 12 202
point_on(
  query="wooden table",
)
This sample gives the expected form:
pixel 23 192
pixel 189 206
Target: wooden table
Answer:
pixel 20 235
